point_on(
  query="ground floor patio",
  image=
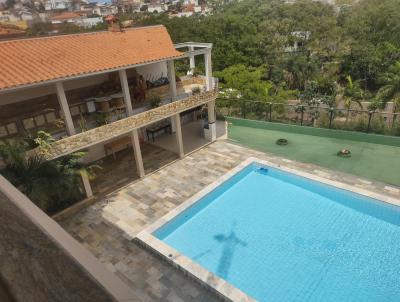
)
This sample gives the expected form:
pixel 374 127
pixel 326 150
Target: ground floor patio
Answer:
pixel 108 227
pixel 121 170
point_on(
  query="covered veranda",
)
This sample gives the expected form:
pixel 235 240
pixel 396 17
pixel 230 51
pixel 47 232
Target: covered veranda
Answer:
pixel 156 133
pixel 119 172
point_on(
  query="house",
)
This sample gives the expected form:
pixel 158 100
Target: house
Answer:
pixel 157 8
pixel 93 91
pixel 20 17
pixel 77 19
pixel 57 5
pixel 65 17
pixel 8 31
pixel 104 9
pixel 88 22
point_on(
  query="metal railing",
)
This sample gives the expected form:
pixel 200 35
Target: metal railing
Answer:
pixel 315 116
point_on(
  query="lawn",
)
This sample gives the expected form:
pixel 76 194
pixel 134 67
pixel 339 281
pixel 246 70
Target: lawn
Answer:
pixel 369 160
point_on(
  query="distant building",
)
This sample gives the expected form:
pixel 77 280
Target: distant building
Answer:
pixel 77 19
pixel 104 9
pixel 57 5
pixel 157 8
pixel 8 31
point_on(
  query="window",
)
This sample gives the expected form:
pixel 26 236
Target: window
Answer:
pixel 12 128
pixel 28 123
pixel 3 131
pixel 74 110
pixel 51 117
pixel 39 120
pixel 8 129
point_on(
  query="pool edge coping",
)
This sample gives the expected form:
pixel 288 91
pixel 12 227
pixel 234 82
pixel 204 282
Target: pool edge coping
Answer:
pixel 220 286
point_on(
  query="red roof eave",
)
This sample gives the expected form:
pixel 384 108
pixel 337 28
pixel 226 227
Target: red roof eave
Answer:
pixel 31 62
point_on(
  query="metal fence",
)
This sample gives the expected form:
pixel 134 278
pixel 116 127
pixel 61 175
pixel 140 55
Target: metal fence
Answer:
pixel 314 116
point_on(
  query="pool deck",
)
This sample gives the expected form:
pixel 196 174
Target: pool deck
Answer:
pixel 108 227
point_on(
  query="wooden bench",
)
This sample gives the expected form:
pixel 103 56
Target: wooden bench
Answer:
pixel 158 128
pixel 114 146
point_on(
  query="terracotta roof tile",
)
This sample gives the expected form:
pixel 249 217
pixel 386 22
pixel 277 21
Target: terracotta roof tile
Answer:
pixel 30 61
pixel 66 16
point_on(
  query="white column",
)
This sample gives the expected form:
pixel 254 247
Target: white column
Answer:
pixel 62 100
pixel 137 153
pixel 173 126
pixel 86 184
pixel 178 135
pixel 191 58
pixel 207 61
pixel 171 79
pixel 211 120
pixel 125 90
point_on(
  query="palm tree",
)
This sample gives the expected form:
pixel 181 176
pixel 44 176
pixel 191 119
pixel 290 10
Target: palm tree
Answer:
pixel 391 85
pixel 352 93
pixel 51 185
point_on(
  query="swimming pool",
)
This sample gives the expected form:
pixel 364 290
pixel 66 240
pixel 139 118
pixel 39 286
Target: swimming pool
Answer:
pixel 277 236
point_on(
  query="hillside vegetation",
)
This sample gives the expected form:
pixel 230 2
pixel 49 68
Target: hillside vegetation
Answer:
pixel 353 52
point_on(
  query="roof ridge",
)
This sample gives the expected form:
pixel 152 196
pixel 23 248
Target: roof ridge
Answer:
pixel 17 40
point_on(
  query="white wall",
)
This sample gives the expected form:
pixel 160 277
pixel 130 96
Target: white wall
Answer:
pixel 31 93
pixel 89 22
pixel 153 71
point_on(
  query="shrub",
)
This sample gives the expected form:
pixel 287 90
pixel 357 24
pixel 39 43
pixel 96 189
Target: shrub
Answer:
pixel 155 101
pixel 196 90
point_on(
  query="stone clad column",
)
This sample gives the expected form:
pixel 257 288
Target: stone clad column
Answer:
pixel 137 153
pixel 62 100
pixel 211 120
pixel 125 90
pixel 207 61
pixel 171 79
pixel 178 134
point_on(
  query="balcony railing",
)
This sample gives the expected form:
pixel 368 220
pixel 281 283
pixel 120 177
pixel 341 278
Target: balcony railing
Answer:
pixel 314 116
pixel 124 126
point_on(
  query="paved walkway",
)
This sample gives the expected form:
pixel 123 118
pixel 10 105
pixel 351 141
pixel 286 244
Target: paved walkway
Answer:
pixel 108 227
pixel 116 173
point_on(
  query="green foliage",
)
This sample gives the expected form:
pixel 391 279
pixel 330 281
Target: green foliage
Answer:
pixel 391 85
pixel 102 118
pixel 52 185
pixel 250 37
pixel 155 101
pixel 247 80
pixel 196 90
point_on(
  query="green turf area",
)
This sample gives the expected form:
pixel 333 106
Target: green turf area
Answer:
pixel 368 160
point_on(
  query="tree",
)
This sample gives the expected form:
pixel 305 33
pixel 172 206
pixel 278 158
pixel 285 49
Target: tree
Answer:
pixel 52 185
pixel 10 3
pixel 352 93
pixel 247 80
pixel 390 91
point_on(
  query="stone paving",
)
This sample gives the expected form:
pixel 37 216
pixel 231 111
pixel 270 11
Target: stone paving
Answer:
pixel 116 173
pixel 108 227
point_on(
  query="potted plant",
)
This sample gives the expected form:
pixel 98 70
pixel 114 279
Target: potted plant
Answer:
pixel 344 153
pixel 282 141
pixel 155 101
pixel 196 90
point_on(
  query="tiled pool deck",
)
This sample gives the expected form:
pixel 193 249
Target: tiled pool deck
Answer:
pixel 108 227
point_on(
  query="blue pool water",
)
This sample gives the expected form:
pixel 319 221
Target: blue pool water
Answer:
pixel 280 237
